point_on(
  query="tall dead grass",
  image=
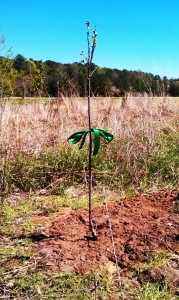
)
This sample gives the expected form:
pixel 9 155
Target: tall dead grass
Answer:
pixel 32 127
pixel 144 150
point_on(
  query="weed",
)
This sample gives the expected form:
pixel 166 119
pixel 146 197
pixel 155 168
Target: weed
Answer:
pixel 158 260
pixel 153 291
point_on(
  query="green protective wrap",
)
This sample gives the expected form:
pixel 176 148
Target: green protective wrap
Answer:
pixel 81 136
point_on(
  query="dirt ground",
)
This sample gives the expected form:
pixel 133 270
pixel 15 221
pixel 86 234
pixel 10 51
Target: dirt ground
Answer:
pixel 132 229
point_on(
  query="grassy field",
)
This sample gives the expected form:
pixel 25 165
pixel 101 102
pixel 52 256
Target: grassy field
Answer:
pixel 144 153
pixel 41 172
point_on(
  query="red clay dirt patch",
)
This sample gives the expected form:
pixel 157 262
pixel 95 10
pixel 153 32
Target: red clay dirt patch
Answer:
pixel 140 226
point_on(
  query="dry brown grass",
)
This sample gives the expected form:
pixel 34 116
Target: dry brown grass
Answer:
pixel 31 127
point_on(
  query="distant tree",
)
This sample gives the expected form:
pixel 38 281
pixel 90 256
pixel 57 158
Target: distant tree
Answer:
pixel 20 63
pixel 23 81
pixel 37 72
pixel 166 84
pixel 72 82
pixel 27 77
pixel 174 88
pixel 56 78
pixel 82 81
pixel 7 72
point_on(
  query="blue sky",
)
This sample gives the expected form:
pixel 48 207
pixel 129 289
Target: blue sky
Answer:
pixel 132 34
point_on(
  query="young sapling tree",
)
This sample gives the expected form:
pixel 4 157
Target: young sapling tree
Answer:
pixel 81 135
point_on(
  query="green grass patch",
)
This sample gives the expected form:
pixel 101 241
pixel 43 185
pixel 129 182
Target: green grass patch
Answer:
pixel 153 291
pixel 158 260
pixel 164 165
pixel 123 165
pixel 18 216
pixel 41 285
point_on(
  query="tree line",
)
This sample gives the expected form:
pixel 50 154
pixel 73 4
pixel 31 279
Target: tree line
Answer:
pixel 21 77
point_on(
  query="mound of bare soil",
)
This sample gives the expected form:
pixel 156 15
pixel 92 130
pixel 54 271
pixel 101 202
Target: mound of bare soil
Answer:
pixel 138 226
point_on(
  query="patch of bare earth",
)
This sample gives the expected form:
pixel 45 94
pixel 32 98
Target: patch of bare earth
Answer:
pixel 140 226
